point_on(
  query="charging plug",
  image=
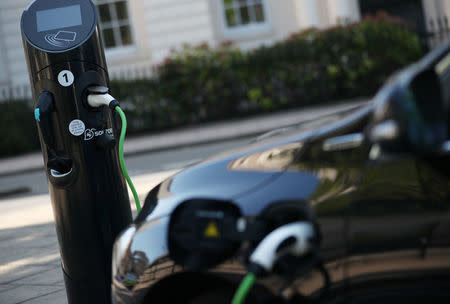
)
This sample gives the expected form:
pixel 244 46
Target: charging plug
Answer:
pixel 99 96
pixel 295 238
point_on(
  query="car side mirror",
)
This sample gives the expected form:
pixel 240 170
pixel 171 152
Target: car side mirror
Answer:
pixel 410 114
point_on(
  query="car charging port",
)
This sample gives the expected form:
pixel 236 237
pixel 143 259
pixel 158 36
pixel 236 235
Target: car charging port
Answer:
pixel 198 233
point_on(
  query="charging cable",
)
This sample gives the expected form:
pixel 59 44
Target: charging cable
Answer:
pixel 100 97
pixel 122 160
pixel 244 288
pixel 295 238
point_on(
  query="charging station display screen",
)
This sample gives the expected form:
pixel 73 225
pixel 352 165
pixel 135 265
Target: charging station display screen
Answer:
pixel 58 18
pixel 59 25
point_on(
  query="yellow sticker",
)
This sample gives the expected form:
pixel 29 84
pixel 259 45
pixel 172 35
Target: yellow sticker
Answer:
pixel 212 231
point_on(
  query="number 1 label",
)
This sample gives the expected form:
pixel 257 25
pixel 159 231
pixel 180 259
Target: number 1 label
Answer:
pixel 65 78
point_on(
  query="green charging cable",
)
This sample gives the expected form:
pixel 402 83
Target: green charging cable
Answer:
pixel 121 158
pixel 244 289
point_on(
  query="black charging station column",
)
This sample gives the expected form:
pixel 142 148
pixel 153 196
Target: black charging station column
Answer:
pixel 90 201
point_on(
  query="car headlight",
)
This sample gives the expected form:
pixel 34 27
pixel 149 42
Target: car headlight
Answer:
pixel 121 247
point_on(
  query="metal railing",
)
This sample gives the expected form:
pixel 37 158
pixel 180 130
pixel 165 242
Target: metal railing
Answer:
pixel 20 92
pixel 132 73
pixel 438 32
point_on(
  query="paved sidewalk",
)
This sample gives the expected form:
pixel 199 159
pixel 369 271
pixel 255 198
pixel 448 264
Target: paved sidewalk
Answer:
pixel 195 135
pixel 30 266
pixel 30 270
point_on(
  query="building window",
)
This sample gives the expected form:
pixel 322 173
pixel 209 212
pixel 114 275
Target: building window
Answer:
pixel 241 13
pixel 115 23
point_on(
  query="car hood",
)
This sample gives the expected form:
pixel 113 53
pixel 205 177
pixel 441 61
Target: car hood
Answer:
pixel 242 171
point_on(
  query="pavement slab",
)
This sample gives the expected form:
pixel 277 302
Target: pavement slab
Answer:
pixel 12 273
pixel 4 287
pixel 58 297
pixel 28 294
pixel 51 277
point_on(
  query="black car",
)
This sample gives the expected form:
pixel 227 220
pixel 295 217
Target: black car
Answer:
pixel 373 183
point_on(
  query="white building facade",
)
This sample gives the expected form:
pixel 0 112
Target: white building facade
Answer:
pixel 141 33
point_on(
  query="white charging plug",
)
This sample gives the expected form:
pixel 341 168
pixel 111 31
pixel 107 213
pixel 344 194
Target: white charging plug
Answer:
pixel 97 100
pixel 294 238
pixel 98 96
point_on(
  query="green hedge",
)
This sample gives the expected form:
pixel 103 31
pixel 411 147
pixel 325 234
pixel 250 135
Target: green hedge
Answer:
pixel 18 131
pixel 199 84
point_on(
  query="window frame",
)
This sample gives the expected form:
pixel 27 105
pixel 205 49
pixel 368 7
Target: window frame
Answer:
pixel 119 48
pixel 245 30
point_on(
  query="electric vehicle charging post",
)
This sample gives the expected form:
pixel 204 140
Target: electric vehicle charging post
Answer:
pixel 89 197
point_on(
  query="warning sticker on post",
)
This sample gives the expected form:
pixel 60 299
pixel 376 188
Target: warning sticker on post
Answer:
pixel 77 127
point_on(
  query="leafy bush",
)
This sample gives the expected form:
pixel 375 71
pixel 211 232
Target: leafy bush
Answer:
pixel 199 84
pixel 18 130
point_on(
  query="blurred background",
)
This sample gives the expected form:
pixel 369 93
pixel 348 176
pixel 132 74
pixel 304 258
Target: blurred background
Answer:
pixel 177 62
